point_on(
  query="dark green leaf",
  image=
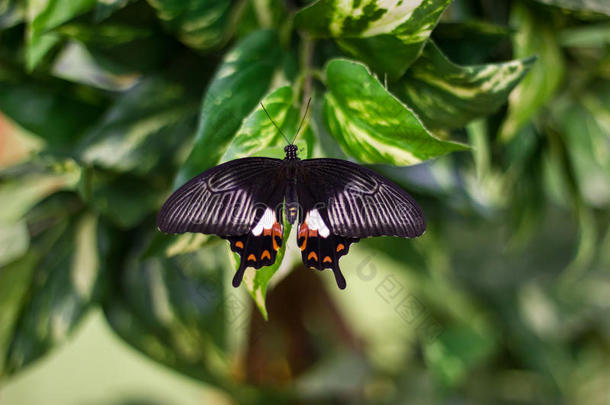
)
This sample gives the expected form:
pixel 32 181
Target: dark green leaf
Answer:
pixel 536 36
pixel 472 41
pixel 239 84
pixel 22 191
pixel 373 126
pixel 105 8
pixel 14 241
pixel 43 17
pixel 77 64
pixel 445 95
pixel 12 12
pixel 387 36
pixel 173 308
pixel 200 24
pixel 106 35
pixel 583 7
pixel 259 137
pixel 144 127
pixel 457 351
pixel 124 199
pixel 54 111
pixel 15 280
pixel 65 283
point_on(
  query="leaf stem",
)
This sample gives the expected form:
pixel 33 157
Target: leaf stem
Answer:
pixel 307 48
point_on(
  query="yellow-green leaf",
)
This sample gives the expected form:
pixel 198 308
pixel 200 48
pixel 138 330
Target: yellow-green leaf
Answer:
pixel 445 95
pixel 386 35
pixel 371 124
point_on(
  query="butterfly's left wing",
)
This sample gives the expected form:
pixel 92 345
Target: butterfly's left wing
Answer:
pixel 341 202
pixel 241 201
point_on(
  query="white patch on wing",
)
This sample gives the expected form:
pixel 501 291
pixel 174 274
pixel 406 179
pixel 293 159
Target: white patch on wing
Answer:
pixel 315 223
pixel 266 222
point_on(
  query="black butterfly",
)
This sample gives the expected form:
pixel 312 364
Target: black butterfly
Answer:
pixel 336 202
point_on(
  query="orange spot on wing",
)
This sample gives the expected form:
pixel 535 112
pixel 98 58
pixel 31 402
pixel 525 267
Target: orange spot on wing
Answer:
pixel 239 244
pixel 265 253
pixel 266 232
pixel 252 257
pixel 314 255
pixel 276 231
pixel 303 230
pixel 340 247
pixel 327 259
pixel 313 233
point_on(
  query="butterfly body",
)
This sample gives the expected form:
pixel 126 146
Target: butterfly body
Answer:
pixel 335 203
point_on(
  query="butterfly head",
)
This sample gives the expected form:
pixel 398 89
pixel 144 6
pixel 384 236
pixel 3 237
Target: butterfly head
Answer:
pixel 291 151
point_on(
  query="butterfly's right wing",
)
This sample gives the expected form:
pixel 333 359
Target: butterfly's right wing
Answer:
pixel 223 200
pixel 241 201
pixel 342 202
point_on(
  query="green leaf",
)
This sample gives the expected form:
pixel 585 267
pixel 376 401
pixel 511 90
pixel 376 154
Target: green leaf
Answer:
pixel 200 24
pixel 124 198
pixel 173 308
pixel 456 352
pixel 43 107
pixel 238 85
pixel 536 36
pixel 257 281
pixel 75 63
pixel 144 128
pixel 387 36
pixel 15 280
pixel 597 35
pixel 43 17
pixel 584 125
pixel 370 124
pixel 65 283
pixel 445 95
pixel 12 12
pixel 106 35
pixel 259 137
pixel 20 193
pixel 14 241
pixel 582 7
pixel 105 8
pixel 471 42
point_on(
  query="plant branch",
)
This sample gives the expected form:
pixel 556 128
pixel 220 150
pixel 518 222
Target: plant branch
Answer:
pixel 307 48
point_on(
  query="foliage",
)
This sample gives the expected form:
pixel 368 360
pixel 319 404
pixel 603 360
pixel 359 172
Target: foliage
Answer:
pixel 107 106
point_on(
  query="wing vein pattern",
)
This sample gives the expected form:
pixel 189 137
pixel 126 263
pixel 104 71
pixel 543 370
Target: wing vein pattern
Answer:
pixel 225 200
pixel 358 202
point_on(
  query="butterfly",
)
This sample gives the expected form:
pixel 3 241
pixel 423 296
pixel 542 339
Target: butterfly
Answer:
pixel 336 203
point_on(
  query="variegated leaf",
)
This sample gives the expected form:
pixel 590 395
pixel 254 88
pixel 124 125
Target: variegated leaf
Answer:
pixel 371 124
pixel 582 7
pixel 446 95
pixel 238 85
pixel 200 24
pixel 257 281
pixel 535 37
pixel 386 35
pixel 42 18
pixel 259 137
pixel 65 281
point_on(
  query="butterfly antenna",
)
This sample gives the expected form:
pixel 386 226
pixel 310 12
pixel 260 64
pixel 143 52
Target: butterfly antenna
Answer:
pixel 274 124
pixel 302 120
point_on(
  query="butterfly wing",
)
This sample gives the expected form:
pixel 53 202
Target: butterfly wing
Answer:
pixel 342 202
pixel 240 200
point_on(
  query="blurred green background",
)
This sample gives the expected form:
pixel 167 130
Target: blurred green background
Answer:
pixel 494 115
